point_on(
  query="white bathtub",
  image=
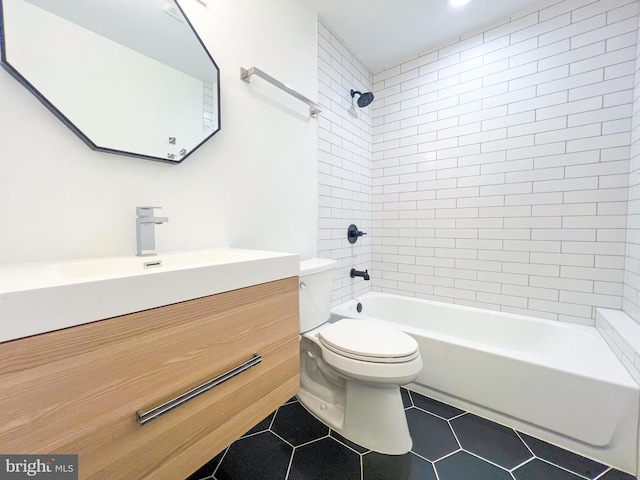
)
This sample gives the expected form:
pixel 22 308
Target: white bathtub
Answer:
pixel 556 381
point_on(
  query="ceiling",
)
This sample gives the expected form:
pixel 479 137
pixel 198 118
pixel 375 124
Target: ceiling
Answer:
pixel 381 33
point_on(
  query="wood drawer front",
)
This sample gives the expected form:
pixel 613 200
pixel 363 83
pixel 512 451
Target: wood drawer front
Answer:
pixel 77 390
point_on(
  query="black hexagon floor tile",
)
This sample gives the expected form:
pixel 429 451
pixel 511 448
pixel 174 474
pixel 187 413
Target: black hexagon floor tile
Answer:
pixel 325 459
pixel 493 442
pixel 257 457
pixel 348 443
pixel 406 398
pixel 434 406
pixel 538 469
pixel 376 466
pixel 262 426
pixel 432 436
pixel 208 468
pixel 319 453
pixel 563 458
pixel 297 426
pixel 464 466
pixel 616 475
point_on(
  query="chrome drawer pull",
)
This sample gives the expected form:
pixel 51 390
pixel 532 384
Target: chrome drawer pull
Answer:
pixel 145 417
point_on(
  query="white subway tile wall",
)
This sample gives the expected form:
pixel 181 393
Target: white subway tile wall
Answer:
pixel 626 348
pixel 344 163
pixel 500 167
pixel 631 294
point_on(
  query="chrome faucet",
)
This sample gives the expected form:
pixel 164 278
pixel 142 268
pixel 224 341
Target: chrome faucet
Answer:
pixel 145 230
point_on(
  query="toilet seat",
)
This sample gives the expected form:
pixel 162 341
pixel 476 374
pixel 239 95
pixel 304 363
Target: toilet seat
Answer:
pixel 368 341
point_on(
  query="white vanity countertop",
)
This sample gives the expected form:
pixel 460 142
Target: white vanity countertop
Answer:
pixel 41 297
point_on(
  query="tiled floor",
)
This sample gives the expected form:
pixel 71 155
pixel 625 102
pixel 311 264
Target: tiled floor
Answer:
pixel 448 444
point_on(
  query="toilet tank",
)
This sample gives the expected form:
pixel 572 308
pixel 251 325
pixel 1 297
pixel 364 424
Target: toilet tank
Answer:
pixel 315 292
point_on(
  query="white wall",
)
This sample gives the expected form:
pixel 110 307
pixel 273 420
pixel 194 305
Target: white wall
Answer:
pixel 344 163
pixel 252 185
pixel 501 164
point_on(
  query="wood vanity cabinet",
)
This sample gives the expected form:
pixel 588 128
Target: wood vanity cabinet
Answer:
pixel 78 390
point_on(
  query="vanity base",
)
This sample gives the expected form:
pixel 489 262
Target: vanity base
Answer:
pixel 77 391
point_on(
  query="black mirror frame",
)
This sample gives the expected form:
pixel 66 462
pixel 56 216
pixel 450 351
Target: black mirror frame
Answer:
pixel 53 109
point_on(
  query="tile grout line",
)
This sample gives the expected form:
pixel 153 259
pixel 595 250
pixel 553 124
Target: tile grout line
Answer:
pixel 442 457
pixel 530 459
pixel 525 443
pixel 215 470
pixel 488 461
pixel 293 452
pixel 603 473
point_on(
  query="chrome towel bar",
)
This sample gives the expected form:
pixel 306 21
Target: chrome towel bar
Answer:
pixel 143 417
pixel 245 74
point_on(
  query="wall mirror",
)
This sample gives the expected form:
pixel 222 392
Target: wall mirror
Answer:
pixel 129 77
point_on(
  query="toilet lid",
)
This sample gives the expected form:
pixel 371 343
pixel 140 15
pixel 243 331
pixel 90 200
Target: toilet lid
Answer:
pixel 368 341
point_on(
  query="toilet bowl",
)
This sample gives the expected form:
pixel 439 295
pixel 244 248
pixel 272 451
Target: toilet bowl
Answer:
pixel 351 370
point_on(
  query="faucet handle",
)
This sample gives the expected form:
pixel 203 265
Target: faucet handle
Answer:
pixel 145 211
pixel 353 233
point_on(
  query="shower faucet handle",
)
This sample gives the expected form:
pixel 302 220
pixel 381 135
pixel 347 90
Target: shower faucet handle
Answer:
pixel 353 233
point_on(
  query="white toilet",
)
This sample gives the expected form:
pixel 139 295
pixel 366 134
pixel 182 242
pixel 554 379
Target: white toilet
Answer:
pixel 351 370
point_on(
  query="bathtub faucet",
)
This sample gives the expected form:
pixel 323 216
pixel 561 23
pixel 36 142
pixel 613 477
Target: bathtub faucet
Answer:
pixel 357 273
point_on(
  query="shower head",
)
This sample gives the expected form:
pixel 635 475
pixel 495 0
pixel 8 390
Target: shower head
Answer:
pixel 364 99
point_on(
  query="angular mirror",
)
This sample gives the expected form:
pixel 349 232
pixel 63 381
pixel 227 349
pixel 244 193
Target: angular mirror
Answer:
pixel 129 77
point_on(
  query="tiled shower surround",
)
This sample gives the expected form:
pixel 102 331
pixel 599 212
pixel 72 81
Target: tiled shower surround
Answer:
pixel 495 169
pixel 501 162
pixel 631 297
pixel 344 163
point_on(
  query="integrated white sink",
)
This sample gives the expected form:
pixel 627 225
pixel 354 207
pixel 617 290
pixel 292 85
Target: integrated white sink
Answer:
pixel 124 266
pixel 41 297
